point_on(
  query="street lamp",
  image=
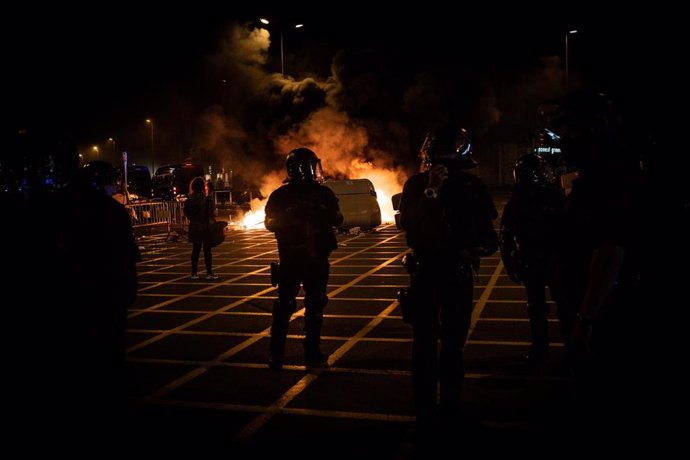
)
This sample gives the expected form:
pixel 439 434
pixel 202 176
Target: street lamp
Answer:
pixel 149 122
pixel 111 140
pixel 95 149
pixel 567 64
pixel 266 22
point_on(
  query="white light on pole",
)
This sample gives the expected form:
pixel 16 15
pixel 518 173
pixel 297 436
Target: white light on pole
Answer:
pixel 266 22
pixel 149 122
pixel 567 63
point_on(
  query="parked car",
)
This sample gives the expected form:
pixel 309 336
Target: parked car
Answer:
pixel 171 182
pixel 357 200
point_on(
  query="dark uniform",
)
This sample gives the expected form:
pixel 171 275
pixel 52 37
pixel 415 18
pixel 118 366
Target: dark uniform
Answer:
pixel 92 262
pixel 599 215
pixel 302 213
pixel 598 262
pixel 528 224
pixel 73 274
pixel 447 229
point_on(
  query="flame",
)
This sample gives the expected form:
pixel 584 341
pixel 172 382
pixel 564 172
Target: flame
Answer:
pixel 386 183
pixel 254 218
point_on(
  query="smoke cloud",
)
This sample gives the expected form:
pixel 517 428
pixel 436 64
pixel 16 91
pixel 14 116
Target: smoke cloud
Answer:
pixel 360 119
pixel 462 98
pixel 263 115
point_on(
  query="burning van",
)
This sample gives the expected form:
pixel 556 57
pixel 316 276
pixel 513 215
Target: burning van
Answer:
pixel 357 201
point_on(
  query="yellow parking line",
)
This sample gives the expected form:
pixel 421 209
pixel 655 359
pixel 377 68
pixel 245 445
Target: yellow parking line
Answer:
pixel 479 305
pixel 258 422
pixel 193 321
pixel 336 355
pixel 199 291
pixel 212 285
pixel 513 320
pixel 341 370
pixel 241 346
pixel 186 253
pixel 509 343
pixel 349 415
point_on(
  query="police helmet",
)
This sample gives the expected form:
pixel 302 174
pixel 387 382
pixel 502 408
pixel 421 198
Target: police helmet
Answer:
pixel 533 170
pixel 448 145
pixel 588 127
pixel 302 164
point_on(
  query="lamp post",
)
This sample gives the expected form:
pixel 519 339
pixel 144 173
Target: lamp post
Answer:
pixel 149 121
pixel 112 141
pixel 266 22
pixel 95 149
pixel 567 64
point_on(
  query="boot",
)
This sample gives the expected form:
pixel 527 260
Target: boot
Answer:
pixel 313 320
pixel 279 330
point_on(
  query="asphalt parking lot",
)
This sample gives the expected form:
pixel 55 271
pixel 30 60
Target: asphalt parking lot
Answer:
pixel 198 349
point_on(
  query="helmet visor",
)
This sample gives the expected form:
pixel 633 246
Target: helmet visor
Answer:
pixel 306 170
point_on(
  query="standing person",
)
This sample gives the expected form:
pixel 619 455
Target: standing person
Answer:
pixel 447 214
pixel 302 214
pixel 92 261
pixel 98 243
pixel 528 224
pixel 598 261
pixel 87 266
pixel 200 211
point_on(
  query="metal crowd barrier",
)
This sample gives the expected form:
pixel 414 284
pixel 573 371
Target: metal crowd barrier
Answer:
pixel 168 213
pixel 178 222
pixel 222 197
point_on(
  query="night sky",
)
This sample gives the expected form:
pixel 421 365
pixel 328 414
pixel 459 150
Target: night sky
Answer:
pixel 101 71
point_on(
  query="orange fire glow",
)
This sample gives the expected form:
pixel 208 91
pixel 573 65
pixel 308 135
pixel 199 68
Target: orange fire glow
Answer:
pixel 254 219
pixel 386 183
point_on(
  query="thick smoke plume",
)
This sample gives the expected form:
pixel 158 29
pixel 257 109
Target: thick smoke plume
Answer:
pixel 360 119
pixel 263 115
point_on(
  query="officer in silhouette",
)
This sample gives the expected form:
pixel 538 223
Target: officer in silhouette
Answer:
pixel 302 214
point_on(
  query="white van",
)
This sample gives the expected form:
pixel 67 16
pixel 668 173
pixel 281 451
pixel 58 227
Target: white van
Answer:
pixel 357 200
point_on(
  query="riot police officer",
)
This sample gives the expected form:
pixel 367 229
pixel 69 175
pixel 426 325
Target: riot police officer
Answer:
pixel 94 257
pixel 302 214
pixel 91 256
pixel 526 239
pixel 447 214
pixel 598 256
